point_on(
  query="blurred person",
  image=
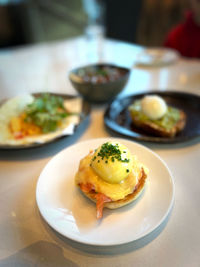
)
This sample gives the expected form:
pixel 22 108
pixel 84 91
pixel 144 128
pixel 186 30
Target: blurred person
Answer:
pixel 185 37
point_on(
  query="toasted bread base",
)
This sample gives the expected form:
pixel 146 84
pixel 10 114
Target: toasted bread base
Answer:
pixel 128 199
pixel 154 129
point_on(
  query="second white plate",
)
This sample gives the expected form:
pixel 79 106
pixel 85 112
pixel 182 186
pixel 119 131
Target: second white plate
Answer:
pixel 71 214
pixel 157 57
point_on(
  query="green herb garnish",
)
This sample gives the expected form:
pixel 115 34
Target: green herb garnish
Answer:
pixel 111 151
pixel 46 111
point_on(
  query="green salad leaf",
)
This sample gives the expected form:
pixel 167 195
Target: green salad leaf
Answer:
pixel 46 111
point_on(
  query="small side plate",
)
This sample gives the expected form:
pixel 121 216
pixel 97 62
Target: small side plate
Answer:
pixel 156 57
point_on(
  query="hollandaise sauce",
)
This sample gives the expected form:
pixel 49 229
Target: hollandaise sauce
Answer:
pixel 112 162
pixel 109 174
pixel 88 177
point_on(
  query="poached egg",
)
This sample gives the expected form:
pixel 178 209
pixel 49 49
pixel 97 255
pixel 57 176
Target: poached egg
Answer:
pixel 153 106
pixel 112 162
pixel 111 178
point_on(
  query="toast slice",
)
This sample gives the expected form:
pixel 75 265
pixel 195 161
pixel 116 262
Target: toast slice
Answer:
pixel 168 126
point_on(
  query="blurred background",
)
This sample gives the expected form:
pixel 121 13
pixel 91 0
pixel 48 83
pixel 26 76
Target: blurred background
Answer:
pixel 144 22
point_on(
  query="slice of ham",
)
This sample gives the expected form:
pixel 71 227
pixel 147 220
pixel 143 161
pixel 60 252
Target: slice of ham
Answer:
pixel 100 200
pixel 86 188
pixel 99 197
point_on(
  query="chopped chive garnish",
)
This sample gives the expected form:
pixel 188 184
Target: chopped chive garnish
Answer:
pixel 111 151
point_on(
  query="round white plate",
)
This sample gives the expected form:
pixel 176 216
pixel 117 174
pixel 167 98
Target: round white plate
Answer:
pixel 157 57
pixel 71 214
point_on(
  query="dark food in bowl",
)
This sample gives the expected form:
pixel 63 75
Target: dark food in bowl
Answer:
pixel 99 83
pixel 100 74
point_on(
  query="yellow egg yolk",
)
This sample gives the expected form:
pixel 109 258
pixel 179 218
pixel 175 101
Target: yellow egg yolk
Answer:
pixel 112 162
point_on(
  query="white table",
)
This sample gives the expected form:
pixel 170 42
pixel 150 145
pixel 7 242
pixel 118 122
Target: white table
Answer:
pixel 25 239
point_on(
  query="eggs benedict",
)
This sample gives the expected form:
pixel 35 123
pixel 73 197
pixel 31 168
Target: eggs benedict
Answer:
pixel 154 116
pixel 111 176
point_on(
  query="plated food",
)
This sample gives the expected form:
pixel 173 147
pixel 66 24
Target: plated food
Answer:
pixel 43 114
pixel 185 119
pixel 38 118
pixel 98 74
pixel 111 176
pixel 154 116
pixel 73 215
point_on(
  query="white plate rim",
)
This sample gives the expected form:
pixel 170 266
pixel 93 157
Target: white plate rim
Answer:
pixel 171 53
pixel 79 240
